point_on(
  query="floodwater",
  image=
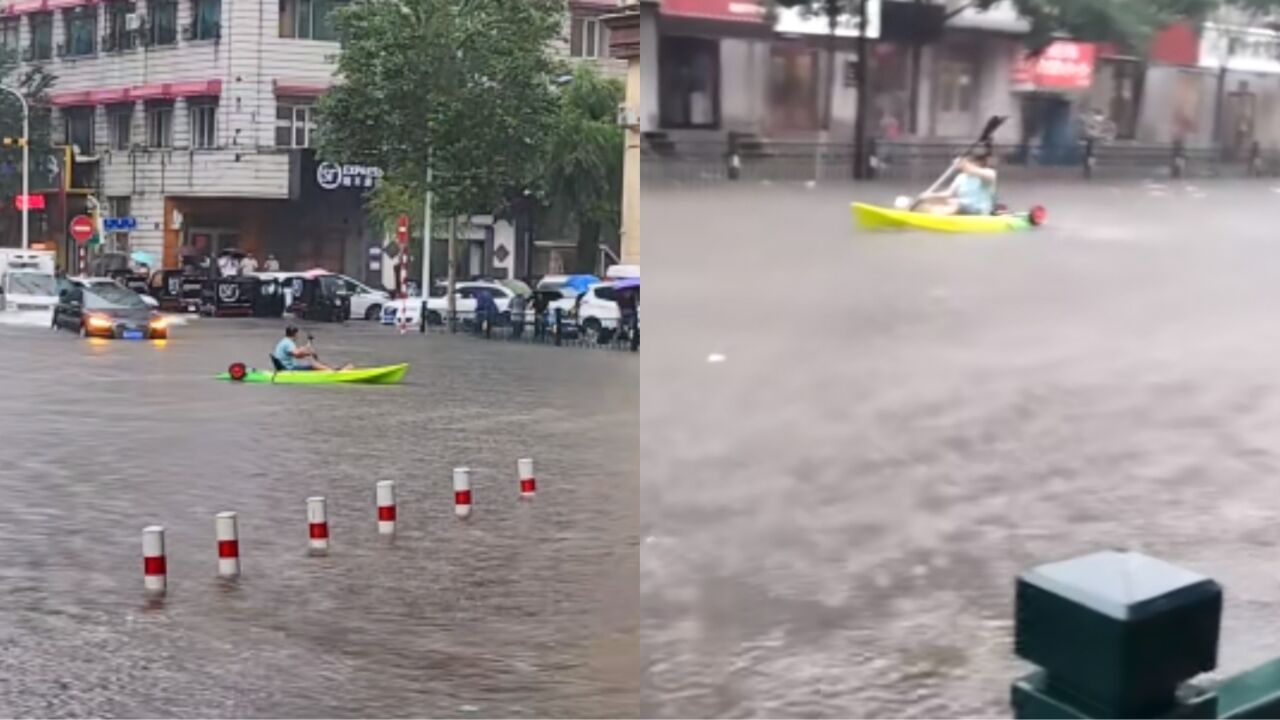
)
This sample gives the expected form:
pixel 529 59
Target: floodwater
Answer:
pixel 527 609
pixel 860 440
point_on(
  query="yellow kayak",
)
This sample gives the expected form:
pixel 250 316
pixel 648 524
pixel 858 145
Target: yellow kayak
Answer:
pixel 385 375
pixel 874 217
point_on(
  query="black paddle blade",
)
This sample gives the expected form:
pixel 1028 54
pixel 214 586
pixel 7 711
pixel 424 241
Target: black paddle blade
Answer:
pixel 992 125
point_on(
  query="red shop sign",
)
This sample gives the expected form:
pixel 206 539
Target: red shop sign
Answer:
pixel 1064 65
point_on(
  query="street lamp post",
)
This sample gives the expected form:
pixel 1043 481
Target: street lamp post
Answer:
pixel 26 165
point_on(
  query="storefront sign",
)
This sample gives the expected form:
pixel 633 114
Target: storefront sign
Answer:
pixel 1064 66
pixel 33 202
pixel 331 176
pixel 750 11
pixel 796 21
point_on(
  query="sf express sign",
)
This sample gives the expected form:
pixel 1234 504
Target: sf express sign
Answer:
pixel 1063 65
pixel 332 176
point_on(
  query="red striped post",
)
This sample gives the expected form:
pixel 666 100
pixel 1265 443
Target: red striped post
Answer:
pixel 318 522
pixel 462 492
pixel 528 485
pixel 386 499
pixel 154 572
pixel 228 536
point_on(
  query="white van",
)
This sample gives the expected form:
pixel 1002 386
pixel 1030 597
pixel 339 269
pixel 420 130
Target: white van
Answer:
pixel 27 280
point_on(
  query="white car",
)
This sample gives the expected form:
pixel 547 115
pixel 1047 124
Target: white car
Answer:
pixel 366 302
pixel 590 312
pixel 465 305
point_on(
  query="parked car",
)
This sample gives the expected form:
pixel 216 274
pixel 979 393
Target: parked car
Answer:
pixel 107 311
pixel 365 301
pixel 597 317
pixel 437 308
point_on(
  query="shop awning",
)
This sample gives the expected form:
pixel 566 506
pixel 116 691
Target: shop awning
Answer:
pixel 157 91
pixel 299 88
pixel 736 11
pixel 26 7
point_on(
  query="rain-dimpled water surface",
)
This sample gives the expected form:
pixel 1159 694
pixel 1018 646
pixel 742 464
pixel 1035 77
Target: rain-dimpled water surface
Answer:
pixel 527 609
pixel 853 443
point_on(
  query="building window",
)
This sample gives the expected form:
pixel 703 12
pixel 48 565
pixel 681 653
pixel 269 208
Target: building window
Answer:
pixel 118 35
pixel 79 123
pixel 208 19
pixel 42 36
pixel 955 87
pixel 120 125
pixel 586 37
pixel 308 19
pixel 164 21
pixel 82 30
pixel 689 80
pixel 160 124
pixel 9 34
pixel 120 206
pixel 295 122
pixel 204 125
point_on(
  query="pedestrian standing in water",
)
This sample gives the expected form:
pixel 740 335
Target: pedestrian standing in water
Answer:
pixel 272 265
pixel 249 265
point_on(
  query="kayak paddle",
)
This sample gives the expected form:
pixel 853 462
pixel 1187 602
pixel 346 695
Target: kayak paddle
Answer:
pixel 988 130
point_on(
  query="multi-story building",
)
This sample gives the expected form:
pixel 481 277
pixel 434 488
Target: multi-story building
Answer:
pixel 195 117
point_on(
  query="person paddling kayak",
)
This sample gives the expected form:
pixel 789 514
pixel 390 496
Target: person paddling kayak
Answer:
pixel 973 192
pixel 292 357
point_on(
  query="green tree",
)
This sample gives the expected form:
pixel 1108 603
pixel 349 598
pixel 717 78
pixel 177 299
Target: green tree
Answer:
pixel 583 161
pixel 462 87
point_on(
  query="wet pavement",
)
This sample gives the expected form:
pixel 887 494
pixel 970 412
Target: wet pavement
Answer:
pixel 527 609
pixel 852 443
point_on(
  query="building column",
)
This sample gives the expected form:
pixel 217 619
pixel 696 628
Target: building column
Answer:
pixel 624 43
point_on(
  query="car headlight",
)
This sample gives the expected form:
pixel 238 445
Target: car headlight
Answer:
pixel 100 321
pixel 159 322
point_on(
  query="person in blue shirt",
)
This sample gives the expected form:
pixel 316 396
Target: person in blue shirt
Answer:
pixel 973 192
pixel 292 357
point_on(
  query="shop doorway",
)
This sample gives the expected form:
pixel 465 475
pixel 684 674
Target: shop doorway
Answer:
pixel 793 88
pixel 211 241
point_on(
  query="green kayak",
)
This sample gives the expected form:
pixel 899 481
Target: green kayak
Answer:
pixel 385 375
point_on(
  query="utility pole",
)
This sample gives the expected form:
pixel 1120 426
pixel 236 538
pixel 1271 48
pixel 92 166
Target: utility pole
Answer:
pixel 26 166
pixel 864 97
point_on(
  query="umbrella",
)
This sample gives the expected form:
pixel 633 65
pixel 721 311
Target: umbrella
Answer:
pixel 315 273
pixel 518 287
pixel 581 283
pixel 143 258
pixel 627 283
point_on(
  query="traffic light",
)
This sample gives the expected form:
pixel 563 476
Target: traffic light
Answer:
pixel 14 142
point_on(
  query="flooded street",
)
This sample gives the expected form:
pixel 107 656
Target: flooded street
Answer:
pixel 853 443
pixel 527 609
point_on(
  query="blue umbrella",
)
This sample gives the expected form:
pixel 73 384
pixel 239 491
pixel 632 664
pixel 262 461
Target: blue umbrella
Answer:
pixel 143 258
pixel 580 283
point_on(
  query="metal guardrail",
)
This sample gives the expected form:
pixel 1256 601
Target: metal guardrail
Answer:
pixel 557 330
pixel 703 162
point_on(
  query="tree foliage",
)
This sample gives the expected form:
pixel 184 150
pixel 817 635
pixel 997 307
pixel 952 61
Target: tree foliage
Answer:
pixel 583 160
pixel 460 86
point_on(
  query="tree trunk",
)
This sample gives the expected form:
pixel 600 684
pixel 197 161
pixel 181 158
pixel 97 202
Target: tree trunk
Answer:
pixel 588 246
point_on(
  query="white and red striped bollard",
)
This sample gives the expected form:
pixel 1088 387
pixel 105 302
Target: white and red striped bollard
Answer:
pixel 386 498
pixel 462 492
pixel 318 521
pixel 153 566
pixel 228 535
pixel 528 485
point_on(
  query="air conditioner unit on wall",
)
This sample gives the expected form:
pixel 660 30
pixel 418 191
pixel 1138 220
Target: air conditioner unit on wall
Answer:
pixel 627 116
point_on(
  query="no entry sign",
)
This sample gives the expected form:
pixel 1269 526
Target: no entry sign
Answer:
pixel 81 228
